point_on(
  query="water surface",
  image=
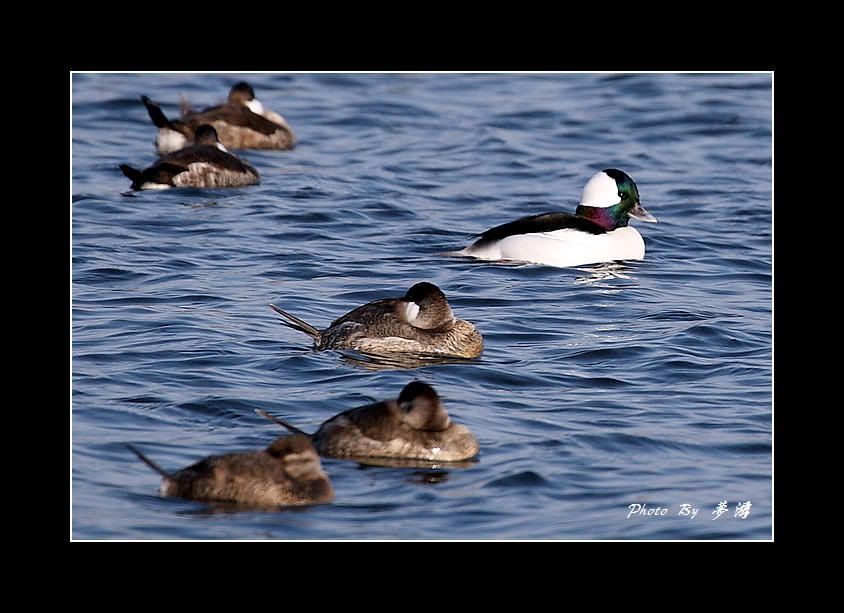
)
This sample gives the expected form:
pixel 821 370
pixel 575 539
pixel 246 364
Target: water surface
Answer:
pixel 600 387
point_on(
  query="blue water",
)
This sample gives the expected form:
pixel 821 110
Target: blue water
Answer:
pixel 600 387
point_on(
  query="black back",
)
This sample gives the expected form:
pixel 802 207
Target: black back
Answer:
pixel 205 153
pixel 544 222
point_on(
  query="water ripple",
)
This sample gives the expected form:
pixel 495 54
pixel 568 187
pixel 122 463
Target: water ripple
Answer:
pixel 598 387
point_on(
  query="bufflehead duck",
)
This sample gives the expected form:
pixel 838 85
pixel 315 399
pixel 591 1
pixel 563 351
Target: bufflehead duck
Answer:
pixel 206 163
pixel 420 322
pixel 413 426
pixel 242 123
pixel 287 472
pixel 597 232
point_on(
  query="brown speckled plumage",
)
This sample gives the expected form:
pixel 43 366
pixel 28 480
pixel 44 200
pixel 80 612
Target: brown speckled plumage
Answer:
pixel 201 165
pixel 288 472
pixel 383 327
pixel 238 127
pixel 414 426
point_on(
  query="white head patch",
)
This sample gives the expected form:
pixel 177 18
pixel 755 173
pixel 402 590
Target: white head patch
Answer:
pixel 255 106
pixel 221 148
pixel 411 310
pixel 600 191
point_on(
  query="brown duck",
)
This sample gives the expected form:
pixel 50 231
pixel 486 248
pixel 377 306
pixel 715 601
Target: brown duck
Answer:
pixel 415 426
pixel 241 122
pixel 288 473
pixel 420 322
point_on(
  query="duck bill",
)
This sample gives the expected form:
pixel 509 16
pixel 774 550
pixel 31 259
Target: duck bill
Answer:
pixel 637 212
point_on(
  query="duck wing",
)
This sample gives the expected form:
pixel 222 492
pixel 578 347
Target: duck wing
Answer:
pixel 235 115
pixel 207 154
pixel 372 314
pixel 544 222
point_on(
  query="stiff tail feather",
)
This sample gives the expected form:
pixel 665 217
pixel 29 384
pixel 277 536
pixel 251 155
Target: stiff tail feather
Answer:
pixel 275 419
pixel 155 113
pixel 185 107
pixel 133 174
pixel 147 461
pixel 297 324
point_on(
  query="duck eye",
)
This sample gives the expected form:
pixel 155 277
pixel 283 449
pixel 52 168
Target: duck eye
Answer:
pixel 620 195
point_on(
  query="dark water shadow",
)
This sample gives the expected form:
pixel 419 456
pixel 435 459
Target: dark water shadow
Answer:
pixel 400 361
pixel 230 508
pixel 427 465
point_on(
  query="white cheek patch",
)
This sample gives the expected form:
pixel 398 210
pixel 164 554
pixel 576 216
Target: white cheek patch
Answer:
pixel 221 148
pixel 600 191
pixel 255 106
pixel 306 456
pixel 170 140
pixel 411 310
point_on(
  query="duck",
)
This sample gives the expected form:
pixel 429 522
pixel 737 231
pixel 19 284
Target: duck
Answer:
pixel 242 123
pixel 414 426
pixel 205 163
pixel 288 472
pixel 420 322
pixel 243 94
pixel 598 231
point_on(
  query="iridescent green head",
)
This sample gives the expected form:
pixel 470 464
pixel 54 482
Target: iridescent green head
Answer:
pixel 610 198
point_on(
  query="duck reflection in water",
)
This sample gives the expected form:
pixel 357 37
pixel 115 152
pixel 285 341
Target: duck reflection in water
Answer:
pixel 377 363
pixel 604 272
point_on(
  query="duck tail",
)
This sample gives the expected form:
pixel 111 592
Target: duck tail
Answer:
pixel 297 324
pixel 133 174
pixel 155 113
pixel 147 461
pixel 278 421
pixel 185 107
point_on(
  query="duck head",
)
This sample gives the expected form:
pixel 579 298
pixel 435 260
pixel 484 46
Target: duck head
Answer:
pixel 610 198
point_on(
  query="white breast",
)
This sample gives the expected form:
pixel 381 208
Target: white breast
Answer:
pixel 564 247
